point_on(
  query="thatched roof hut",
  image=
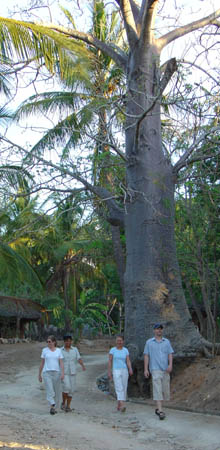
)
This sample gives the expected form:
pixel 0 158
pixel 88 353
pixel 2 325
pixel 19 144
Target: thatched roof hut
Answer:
pixel 16 312
pixel 20 307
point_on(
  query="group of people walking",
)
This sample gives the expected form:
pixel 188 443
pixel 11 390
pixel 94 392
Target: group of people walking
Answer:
pixel 58 369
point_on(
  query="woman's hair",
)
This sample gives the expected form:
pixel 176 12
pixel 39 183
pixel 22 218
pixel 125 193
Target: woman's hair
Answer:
pixel 119 336
pixel 53 339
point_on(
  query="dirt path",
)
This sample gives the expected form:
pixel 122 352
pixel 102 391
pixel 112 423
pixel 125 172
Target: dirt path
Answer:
pixel 94 424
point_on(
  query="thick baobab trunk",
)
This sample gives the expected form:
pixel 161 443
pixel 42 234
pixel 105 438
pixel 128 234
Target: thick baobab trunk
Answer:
pixel 153 290
pixel 118 255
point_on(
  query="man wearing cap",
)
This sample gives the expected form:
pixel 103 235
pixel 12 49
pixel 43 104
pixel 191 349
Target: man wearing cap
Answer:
pixel 158 360
pixel 71 356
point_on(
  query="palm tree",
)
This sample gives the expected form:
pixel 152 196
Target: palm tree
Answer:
pixel 87 104
pixel 86 100
pixel 69 256
pixel 88 313
pixel 15 255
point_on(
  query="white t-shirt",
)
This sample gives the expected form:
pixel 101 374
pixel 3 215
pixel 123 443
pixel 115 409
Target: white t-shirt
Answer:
pixel 51 359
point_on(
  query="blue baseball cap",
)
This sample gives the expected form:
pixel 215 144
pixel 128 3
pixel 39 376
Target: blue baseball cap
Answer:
pixel 158 325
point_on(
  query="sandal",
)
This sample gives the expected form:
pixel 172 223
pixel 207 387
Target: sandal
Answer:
pixel 52 410
pixel 63 407
pixel 68 409
pixel 161 415
pixel 123 409
pixel 157 412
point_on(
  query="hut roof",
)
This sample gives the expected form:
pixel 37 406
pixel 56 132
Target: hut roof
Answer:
pixel 20 307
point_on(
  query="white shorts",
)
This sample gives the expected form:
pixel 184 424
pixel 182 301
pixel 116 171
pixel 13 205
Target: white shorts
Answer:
pixel 68 384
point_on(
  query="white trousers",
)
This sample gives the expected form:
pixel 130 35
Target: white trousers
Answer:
pixel 52 383
pixel 120 378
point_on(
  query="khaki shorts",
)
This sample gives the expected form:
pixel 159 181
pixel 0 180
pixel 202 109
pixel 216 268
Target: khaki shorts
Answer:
pixel 161 385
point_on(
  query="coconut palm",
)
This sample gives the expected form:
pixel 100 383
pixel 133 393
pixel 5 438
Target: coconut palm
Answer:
pixel 15 256
pixel 85 102
pixel 69 259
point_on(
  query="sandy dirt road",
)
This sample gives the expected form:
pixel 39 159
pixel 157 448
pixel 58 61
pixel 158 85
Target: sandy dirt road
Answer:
pixel 94 424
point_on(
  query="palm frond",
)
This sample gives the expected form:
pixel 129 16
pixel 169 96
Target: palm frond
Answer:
pixel 47 102
pixel 5 85
pixel 30 41
pixel 14 268
pixel 55 136
pixel 5 115
pixel 68 16
pixel 16 176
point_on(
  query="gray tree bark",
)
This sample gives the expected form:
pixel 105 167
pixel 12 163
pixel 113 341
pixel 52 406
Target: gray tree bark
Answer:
pixel 153 290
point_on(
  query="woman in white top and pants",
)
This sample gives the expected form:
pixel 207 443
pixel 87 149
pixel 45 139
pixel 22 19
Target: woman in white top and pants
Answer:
pixel 53 372
pixel 119 366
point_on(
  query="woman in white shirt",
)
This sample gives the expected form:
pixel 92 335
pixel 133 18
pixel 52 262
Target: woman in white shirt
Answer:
pixel 119 366
pixel 53 372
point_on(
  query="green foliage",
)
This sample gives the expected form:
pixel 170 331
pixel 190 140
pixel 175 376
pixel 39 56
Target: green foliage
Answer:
pixel 14 269
pixel 40 43
pixel 198 237
pixel 88 313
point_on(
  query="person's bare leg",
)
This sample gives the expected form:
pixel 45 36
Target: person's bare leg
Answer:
pixel 159 405
pixel 119 405
pixel 123 407
pixel 69 399
pixel 65 398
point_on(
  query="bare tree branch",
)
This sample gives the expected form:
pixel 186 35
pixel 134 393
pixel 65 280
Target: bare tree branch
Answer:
pixel 116 214
pixel 183 61
pixel 135 10
pixel 184 160
pixel 198 157
pixel 182 31
pixel 117 56
pixel 148 13
pixel 130 25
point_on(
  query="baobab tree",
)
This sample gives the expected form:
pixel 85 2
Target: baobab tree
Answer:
pixel 152 284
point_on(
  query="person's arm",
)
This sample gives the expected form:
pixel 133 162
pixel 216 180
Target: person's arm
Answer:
pixel 40 369
pixel 80 361
pixel 110 366
pixel 62 368
pixel 128 361
pixel 146 364
pixel 170 363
